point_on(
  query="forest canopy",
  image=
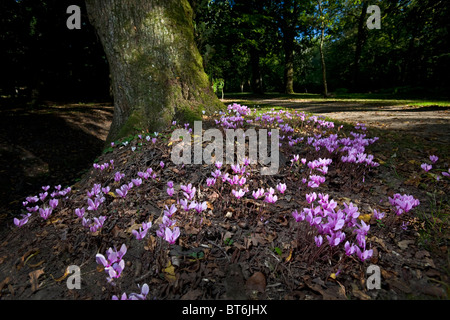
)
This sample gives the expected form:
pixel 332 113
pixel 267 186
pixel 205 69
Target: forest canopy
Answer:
pixel 246 45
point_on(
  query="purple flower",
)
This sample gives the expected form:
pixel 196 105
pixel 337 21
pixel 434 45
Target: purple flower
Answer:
pixel 142 231
pixel 378 215
pixel 311 197
pixel 137 182
pixel 210 181
pixel 281 187
pixel 45 188
pixel 106 189
pixel 363 255
pixel 170 184
pixel 170 211
pixel 122 191
pixel 170 191
pixel 21 222
pixel 298 216
pixel 33 209
pixel 427 167
pixel 258 193
pixel 270 198
pixel 184 204
pixel 45 213
pixel 161 164
pixel 349 249
pixel 42 196
pixel 118 176
pixel 93 204
pixel 32 199
pixel 171 236
pixel 434 158
pixel 318 240
pixel 53 203
pixel 79 212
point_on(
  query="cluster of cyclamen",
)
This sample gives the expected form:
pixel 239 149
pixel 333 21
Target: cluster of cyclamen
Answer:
pixel 31 204
pixel 239 179
pixel 427 167
pixel 113 263
pixel 331 224
pixel 403 203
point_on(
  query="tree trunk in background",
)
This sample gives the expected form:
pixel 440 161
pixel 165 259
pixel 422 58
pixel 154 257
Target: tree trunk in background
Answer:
pixel 256 80
pixel 289 65
pixel 156 69
pixel 359 45
pixel 322 56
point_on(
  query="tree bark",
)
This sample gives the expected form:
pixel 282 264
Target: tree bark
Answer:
pixel 256 80
pixel 322 56
pixel 289 65
pixel 359 44
pixel 156 70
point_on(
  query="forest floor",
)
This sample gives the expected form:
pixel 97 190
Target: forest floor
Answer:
pixel 232 255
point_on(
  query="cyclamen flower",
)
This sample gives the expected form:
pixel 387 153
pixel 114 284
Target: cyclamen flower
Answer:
pixel 238 194
pixel 118 176
pixel 210 181
pixel 170 191
pixel 281 187
pixel 33 209
pixel 113 264
pixel 106 189
pixel 32 199
pixel 137 182
pixel 434 158
pixel 171 236
pixel 298 216
pixel 45 213
pixel 79 212
pixel 20 222
pixel 161 164
pixel 363 255
pixel 42 196
pixel 270 198
pixel 378 215
pixel 427 167
pixel 258 193
pixel 318 240
pixel 45 188
pixel 218 164
pixel 349 249
pixel 93 204
pixel 142 231
pixel 170 211
pixel 311 197
pixel 123 190
pixel 53 203
pixel 184 204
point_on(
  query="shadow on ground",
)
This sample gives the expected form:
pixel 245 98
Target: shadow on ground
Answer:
pixel 48 145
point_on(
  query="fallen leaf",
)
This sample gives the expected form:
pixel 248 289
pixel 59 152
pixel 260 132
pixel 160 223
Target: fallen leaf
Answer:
pixel 34 276
pixel 169 272
pixel 256 282
pixel 289 257
pixel 192 294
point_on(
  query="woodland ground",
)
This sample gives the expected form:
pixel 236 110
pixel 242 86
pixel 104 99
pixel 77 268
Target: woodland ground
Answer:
pixel 57 143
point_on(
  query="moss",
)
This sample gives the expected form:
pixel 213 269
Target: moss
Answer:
pixel 133 124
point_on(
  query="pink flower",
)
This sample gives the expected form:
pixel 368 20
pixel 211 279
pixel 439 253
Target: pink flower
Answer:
pixel 281 187
pixel 171 236
pixel 21 222
pixel 427 167
pixel 434 158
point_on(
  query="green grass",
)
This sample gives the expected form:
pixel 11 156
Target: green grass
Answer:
pixel 361 98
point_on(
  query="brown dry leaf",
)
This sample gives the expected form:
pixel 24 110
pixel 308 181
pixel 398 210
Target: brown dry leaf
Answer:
pixel 151 243
pixel 256 282
pixel 192 294
pixel 3 283
pixel 34 276
pixel 169 273
pixel 289 257
pixel 66 273
pixel 359 294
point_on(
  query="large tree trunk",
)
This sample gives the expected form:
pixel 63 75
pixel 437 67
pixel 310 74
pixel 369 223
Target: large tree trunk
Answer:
pixel 156 69
pixel 322 55
pixel 359 44
pixel 289 66
pixel 256 79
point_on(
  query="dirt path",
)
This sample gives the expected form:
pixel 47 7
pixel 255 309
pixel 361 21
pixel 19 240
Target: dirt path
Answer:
pixel 430 121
